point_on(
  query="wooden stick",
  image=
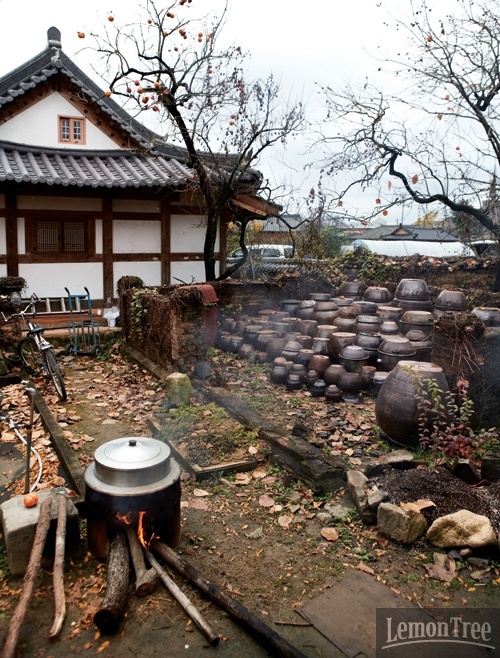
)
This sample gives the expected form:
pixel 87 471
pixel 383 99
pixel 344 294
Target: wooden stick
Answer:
pixel 30 579
pixel 145 579
pixel 58 572
pixel 263 633
pixel 110 614
pixel 186 604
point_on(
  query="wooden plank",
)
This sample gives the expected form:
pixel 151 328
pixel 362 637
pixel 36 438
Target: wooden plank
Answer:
pixel 346 612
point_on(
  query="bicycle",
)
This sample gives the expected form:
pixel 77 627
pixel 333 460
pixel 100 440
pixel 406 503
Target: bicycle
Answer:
pixel 35 352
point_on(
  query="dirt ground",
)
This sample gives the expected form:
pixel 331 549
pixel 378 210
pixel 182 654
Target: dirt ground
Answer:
pixel 260 535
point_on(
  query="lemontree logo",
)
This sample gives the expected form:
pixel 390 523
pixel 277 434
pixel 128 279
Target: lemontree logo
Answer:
pixel 412 632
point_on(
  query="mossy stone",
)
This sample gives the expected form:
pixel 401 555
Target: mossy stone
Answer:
pixel 177 389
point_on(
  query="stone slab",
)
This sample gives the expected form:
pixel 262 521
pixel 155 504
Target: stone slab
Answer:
pixel 19 527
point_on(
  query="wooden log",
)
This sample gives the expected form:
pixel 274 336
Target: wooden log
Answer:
pixel 30 579
pixel 108 617
pixel 58 571
pixel 145 579
pixel 263 633
pixel 186 604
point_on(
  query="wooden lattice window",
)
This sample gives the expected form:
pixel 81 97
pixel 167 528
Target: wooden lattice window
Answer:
pixel 72 130
pixel 60 236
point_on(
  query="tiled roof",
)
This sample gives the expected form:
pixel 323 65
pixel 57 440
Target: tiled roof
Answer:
pixel 88 168
pixel 52 62
pixel 408 232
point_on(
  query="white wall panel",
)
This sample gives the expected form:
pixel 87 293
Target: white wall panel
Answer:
pixel 136 237
pixel 49 280
pixel 187 233
pixel 3 239
pixel 149 272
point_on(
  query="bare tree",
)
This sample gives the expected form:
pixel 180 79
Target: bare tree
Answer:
pixel 172 63
pixel 435 136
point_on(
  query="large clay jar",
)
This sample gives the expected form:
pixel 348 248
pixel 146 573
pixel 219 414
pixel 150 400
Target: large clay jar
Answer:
pixel 352 289
pixel 274 347
pixel 401 400
pixel 320 363
pixel 350 385
pixel 304 356
pixel 305 309
pixel 391 313
pixel 290 306
pixel 394 349
pixel 278 374
pixel 345 324
pixel 488 315
pixel 449 300
pixel 421 320
pixel 367 324
pixel 332 373
pixel 413 295
pixel 341 339
pixel 377 294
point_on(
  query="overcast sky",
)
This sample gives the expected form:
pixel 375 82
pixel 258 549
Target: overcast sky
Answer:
pixel 301 43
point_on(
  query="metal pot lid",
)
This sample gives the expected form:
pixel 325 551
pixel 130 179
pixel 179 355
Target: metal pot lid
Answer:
pixel 132 461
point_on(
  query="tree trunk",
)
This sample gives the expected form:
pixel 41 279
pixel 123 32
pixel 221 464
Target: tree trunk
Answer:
pixel 110 614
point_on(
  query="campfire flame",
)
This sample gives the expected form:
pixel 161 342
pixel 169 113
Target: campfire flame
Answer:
pixel 142 533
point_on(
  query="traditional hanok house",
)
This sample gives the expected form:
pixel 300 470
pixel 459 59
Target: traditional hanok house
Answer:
pixel 87 193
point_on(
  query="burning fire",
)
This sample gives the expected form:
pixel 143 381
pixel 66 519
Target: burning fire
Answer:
pixel 142 534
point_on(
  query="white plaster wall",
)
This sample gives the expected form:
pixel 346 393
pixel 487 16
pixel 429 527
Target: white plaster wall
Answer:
pixel 134 205
pixel 38 126
pixel 149 272
pixel 135 237
pixel 49 280
pixel 3 239
pixel 58 203
pixel 187 233
pixel 3 270
pixel 98 236
pixel 21 239
pixel 188 272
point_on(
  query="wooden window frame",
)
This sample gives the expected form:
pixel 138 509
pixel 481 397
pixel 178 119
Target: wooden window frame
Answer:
pixel 60 255
pixel 71 139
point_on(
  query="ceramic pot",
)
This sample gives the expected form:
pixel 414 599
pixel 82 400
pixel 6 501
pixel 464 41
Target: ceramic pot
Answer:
pixel 320 296
pixel 320 345
pixel 378 380
pixel 333 372
pixel 367 373
pixel 414 304
pixel 274 347
pixel 394 349
pixel 350 385
pixel 246 351
pixel 290 306
pixel 365 308
pixel 291 349
pixel 318 388
pixel 345 324
pixel 320 363
pixel 488 315
pixel 402 397
pixel 305 341
pixel 250 333
pixel 389 328
pixel 307 327
pixel 300 370
pixel 349 311
pixel 412 289
pixel 261 357
pixel 279 374
pixel 333 393
pixel 368 341
pixel 421 320
pixel 325 312
pixel 377 294
pixel 422 345
pixel 304 356
pixel 368 324
pixel 451 300
pixel 293 383
pixel 235 342
pixel 391 313
pixel 305 309
pixel 281 328
pixel 341 339
pixel 353 357
pixel 325 330
pixel 353 289
pixel 263 337
pixel 311 377
pixel 342 302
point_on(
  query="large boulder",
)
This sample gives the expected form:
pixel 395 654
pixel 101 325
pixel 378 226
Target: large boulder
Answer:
pixel 401 525
pixel 462 528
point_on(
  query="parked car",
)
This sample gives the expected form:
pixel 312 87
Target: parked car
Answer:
pixel 263 252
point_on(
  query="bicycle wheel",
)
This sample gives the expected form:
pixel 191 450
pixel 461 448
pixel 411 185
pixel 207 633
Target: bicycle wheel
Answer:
pixel 54 372
pixel 30 357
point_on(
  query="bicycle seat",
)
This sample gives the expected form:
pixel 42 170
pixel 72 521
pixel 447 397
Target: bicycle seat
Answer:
pixel 36 329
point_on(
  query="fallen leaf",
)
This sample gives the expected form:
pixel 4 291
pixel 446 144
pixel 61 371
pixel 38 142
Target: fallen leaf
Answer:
pixel 242 478
pixel 330 534
pixel 364 567
pixel 418 505
pixel 266 501
pixel 196 503
pixel 284 520
pixel 253 450
pixel 256 534
pixel 200 493
pixel 259 473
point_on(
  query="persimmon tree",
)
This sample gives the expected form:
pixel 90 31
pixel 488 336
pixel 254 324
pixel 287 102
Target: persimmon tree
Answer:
pixel 434 136
pixel 172 63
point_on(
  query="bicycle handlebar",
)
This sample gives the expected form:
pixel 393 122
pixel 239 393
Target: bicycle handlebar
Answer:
pixel 24 312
